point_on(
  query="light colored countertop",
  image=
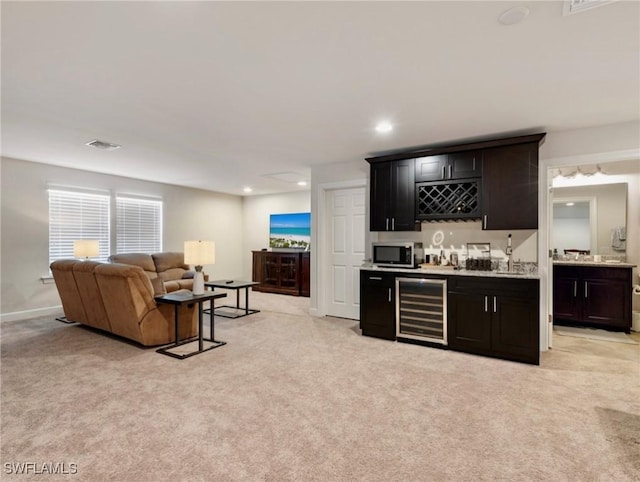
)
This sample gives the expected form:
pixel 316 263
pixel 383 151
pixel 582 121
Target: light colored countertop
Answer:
pixel 601 264
pixel 454 272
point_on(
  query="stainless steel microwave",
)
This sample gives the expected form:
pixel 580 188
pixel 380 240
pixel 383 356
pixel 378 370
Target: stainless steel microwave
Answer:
pixel 396 254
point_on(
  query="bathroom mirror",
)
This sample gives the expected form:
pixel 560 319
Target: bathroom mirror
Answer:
pixel 590 219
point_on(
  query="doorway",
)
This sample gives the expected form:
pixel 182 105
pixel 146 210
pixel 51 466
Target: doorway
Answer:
pixel 582 212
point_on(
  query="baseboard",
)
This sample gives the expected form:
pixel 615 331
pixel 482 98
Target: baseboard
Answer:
pixel 314 312
pixel 27 314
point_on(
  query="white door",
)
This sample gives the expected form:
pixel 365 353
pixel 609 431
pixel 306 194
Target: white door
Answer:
pixel 344 231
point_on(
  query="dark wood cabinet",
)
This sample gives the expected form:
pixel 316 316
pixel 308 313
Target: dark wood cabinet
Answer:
pixel 377 304
pixel 592 296
pixel 392 196
pixel 305 275
pixel 457 165
pixel 469 322
pixel 510 187
pixel 495 317
pixel 282 272
pixel 493 180
pixel 565 293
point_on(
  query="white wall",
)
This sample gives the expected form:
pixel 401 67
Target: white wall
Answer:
pixel 188 214
pixel 571 233
pixel 255 220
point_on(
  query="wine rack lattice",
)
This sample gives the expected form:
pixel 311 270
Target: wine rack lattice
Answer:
pixel 460 199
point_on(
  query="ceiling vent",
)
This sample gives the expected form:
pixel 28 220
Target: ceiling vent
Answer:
pixel 577 6
pixel 290 177
pixel 104 146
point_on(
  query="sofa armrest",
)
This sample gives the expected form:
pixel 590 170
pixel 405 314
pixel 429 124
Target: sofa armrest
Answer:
pixel 188 275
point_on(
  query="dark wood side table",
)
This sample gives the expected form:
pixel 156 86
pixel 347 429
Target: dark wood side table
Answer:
pixel 178 299
pixel 228 311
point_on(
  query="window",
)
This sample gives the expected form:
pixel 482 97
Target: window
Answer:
pixel 139 225
pixel 77 215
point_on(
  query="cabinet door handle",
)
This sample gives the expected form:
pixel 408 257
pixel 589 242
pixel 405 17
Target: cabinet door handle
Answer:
pixel 484 222
pixel 575 289
pixel 444 172
pixel 486 303
pixel 586 290
pixel 393 224
pixel 450 171
pixel 387 227
pixel 389 295
pixel 495 305
pixel 379 278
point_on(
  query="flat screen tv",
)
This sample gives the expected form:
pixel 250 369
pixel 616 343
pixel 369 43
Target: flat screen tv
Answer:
pixel 290 231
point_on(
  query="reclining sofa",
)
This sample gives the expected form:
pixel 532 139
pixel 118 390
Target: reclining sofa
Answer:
pixel 119 298
pixel 166 269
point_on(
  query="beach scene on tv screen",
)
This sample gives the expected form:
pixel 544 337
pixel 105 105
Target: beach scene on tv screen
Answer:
pixel 290 230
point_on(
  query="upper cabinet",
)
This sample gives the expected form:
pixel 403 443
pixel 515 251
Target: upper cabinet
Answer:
pixel 495 181
pixel 457 165
pixel 510 187
pixel 392 196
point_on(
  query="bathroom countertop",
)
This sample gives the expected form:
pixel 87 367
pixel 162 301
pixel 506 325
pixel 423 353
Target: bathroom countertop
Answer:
pixel 602 264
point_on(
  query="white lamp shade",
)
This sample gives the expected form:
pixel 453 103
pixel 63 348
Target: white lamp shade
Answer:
pixel 199 253
pixel 86 248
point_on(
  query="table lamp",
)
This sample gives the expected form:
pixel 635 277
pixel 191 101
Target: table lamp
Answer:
pixel 199 253
pixel 86 248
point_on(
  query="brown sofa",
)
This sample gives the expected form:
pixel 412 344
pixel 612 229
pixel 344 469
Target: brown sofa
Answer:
pixel 168 266
pixel 119 298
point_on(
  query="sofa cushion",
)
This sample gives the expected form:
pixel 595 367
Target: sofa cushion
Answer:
pixel 127 295
pixel 166 260
pixel 145 261
pixel 170 265
pixel 62 271
pixel 90 295
pixel 158 287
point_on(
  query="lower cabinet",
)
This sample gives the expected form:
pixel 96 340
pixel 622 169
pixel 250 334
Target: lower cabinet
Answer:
pixel 282 272
pixel 592 296
pixel 495 317
pixel 377 304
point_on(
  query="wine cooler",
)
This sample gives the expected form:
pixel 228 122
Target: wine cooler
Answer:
pixel 421 309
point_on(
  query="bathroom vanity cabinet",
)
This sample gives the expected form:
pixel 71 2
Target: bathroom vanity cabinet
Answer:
pixel 592 295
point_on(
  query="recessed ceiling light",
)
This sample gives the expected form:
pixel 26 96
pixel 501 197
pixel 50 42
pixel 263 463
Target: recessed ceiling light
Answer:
pixel 571 204
pixel 513 15
pixel 302 183
pixel 247 189
pixel 384 127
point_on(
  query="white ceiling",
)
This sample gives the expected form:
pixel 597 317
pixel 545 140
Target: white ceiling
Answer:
pixel 221 95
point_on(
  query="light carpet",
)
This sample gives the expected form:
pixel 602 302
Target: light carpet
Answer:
pixel 297 398
pixel 595 334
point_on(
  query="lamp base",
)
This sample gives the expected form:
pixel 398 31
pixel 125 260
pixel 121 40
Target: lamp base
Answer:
pixel 198 283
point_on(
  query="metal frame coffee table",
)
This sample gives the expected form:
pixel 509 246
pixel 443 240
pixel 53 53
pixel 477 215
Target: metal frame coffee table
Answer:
pixel 227 311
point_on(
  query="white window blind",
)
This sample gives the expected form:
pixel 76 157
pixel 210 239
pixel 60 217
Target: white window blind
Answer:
pixel 77 215
pixel 138 225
